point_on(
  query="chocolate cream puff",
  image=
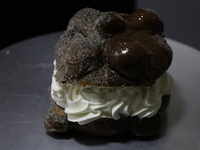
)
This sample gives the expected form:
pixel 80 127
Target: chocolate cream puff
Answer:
pixel 110 74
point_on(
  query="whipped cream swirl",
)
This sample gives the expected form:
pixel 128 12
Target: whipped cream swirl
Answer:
pixel 89 103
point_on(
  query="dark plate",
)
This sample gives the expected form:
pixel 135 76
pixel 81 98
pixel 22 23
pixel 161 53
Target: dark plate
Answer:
pixel 25 77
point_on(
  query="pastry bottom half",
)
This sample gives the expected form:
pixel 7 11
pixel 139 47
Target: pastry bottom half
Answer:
pixel 56 121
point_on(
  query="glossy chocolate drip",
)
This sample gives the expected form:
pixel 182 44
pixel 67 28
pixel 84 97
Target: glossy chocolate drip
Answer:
pixel 145 19
pixel 139 52
pixel 115 23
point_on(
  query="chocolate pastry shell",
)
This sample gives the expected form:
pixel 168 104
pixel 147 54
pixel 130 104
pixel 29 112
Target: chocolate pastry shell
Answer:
pixel 112 49
pixel 56 122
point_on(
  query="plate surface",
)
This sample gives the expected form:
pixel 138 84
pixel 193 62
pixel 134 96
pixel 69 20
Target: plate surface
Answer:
pixel 25 79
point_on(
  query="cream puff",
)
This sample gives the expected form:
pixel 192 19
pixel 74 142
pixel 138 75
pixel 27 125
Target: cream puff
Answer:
pixel 110 74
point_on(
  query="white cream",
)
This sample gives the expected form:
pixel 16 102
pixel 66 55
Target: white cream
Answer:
pixel 89 103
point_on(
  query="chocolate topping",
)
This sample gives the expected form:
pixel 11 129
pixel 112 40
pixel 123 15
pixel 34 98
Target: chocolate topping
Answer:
pixel 114 24
pixel 145 19
pixel 129 58
pixel 113 49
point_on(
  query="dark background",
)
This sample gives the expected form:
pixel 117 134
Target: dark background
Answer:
pixel 27 18
pixel 24 19
pixel 181 18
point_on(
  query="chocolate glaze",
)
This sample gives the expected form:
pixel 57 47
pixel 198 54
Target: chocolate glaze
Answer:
pixel 113 49
pixel 145 19
pixel 114 24
pixel 56 121
pixel 139 52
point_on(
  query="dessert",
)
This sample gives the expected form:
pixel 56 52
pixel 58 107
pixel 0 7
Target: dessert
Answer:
pixel 110 74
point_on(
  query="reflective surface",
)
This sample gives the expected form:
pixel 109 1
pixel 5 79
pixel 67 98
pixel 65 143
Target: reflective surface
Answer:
pixel 25 78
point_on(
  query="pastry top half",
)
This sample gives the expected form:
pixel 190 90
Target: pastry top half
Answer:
pixel 112 49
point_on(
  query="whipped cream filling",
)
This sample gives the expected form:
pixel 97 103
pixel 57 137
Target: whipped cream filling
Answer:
pixel 84 104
